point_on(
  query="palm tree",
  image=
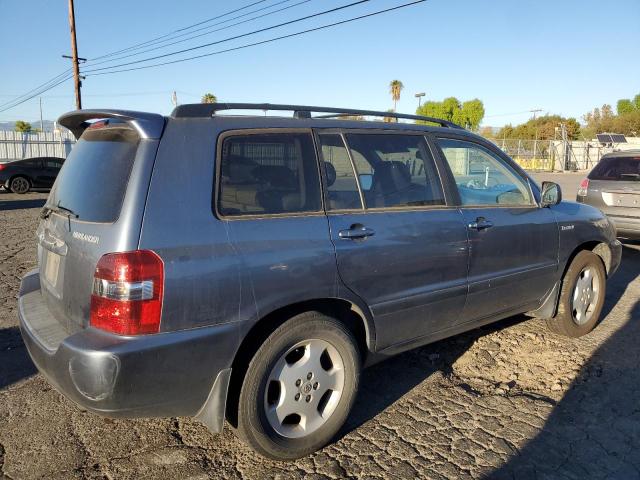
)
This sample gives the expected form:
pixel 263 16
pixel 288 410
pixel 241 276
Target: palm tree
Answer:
pixel 395 87
pixel 209 98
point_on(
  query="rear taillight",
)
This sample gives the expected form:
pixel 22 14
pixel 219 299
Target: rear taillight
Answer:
pixel 127 293
pixel 584 186
pixel 2 166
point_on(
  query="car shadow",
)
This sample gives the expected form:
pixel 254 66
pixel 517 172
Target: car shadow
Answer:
pixel 15 363
pixel 594 431
pixel 22 204
pixel 383 384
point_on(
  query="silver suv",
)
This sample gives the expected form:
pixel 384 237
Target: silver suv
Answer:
pixel 248 267
pixel 613 186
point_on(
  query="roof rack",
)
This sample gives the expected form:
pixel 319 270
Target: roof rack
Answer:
pixel 299 111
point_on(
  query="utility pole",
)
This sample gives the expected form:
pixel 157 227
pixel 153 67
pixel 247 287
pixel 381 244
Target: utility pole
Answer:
pixel 535 111
pixel 41 124
pixel 535 142
pixel 74 55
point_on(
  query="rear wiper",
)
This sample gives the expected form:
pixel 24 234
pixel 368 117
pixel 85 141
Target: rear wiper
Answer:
pixel 46 211
pixel 67 210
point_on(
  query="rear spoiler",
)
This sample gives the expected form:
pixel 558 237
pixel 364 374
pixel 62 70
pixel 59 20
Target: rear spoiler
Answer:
pixel 148 125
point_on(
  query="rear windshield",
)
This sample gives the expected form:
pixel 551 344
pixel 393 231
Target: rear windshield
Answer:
pixel 94 177
pixel 617 168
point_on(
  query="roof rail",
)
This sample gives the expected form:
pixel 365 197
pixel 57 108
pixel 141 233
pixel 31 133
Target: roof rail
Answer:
pixel 148 125
pixel 299 111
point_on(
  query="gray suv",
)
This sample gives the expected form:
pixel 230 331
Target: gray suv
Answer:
pixel 248 267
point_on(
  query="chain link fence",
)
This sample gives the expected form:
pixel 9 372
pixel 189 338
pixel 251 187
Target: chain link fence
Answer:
pixel 554 155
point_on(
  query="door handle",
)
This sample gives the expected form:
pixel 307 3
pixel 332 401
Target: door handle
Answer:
pixel 355 232
pixel 480 223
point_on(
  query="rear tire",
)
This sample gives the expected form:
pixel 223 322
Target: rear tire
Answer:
pixel 299 387
pixel 581 296
pixel 20 185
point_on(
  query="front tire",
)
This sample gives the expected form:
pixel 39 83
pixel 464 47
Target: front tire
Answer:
pixel 581 296
pixel 299 387
pixel 19 185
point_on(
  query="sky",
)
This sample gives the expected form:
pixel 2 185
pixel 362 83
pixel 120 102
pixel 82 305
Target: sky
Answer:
pixel 563 57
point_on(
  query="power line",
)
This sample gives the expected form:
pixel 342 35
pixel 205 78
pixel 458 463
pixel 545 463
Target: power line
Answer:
pixel 178 30
pixel 379 12
pixel 52 80
pixel 197 47
pixel 15 104
pixel 208 32
pixel 55 81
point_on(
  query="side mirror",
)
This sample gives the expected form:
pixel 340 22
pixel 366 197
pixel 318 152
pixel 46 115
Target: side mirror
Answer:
pixel 366 181
pixel 551 194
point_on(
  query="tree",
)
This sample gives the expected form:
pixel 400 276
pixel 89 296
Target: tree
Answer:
pixel 395 87
pixel 624 106
pixel 209 98
pixel 541 128
pixel 468 114
pixel 487 132
pixel 22 126
pixel 473 113
pixel 603 120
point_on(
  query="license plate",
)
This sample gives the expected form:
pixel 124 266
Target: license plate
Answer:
pixel 51 268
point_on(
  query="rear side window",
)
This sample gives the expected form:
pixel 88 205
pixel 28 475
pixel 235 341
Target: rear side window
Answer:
pixel 271 173
pixel 617 168
pixel 395 170
pixel 52 163
pixel 94 178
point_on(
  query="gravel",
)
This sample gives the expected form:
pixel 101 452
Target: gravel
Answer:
pixel 511 400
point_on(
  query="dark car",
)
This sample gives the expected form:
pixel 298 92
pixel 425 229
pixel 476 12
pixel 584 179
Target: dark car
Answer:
pixel 20 176
pixel 613 186
pixel 247 267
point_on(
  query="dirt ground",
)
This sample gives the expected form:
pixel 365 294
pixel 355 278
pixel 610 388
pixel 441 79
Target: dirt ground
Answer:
pixel 507 401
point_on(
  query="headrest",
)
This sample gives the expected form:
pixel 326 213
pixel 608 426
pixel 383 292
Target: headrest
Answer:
pixel 277 175
pixel 331 173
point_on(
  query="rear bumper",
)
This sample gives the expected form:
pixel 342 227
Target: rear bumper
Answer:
pixel 182 373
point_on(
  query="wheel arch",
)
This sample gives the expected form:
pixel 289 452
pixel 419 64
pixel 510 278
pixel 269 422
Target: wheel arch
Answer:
pixel 549 307
pixel 347 312
pixel 601 249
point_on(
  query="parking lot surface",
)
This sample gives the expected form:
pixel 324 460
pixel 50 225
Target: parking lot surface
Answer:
pixel 507 401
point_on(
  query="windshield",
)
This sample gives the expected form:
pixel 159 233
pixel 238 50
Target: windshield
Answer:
pixel 617 168
pixel 94 178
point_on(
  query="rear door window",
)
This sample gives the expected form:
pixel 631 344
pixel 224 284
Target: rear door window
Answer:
pixel 395 170
pixel 268 173
pixel 617 168
pixel 94 178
